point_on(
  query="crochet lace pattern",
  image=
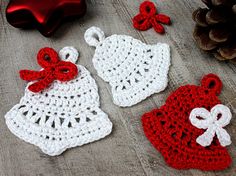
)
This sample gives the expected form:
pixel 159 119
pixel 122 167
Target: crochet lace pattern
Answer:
pixel 64 115
pixel 170 131
pixel 133 69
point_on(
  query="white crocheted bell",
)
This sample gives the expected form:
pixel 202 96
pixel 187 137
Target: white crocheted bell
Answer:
pixel 65 115
pixel 134 69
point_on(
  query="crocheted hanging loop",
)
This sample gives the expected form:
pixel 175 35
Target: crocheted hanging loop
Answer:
pixel 53 69
pixel 69 53
pixel 212 82
pixel 213 121
pixel 148 18
pixel 94 36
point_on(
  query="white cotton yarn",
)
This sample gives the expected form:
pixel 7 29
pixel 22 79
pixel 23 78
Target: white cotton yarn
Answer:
pixel 65 115
pixel 133 69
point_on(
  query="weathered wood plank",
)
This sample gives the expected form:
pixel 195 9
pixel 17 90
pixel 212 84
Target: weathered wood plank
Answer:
pixel 126 151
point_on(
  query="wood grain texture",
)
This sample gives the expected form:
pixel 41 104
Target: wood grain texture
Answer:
pixel 126 151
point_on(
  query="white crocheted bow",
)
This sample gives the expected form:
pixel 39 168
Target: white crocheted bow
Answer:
pixel 213 121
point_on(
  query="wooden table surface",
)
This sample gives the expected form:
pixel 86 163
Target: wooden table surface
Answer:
pixel 126 151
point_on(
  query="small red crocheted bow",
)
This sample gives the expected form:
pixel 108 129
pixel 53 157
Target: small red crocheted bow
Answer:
pixel 53 69
pixel 148 18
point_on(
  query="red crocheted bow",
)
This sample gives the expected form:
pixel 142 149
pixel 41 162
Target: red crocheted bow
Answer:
pixel 148 18
pixel 53 69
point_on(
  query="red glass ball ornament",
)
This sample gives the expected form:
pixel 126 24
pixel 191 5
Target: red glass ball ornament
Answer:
pixel 45 15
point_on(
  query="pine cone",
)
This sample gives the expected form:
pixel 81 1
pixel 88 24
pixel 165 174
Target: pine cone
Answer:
pixel 215 29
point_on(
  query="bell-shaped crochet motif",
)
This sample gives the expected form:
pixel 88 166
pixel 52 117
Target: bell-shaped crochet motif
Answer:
pixel 134 69
pixel 188 129
pixel 64 115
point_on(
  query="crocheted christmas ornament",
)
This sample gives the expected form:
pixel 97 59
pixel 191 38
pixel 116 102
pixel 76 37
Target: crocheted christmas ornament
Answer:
pixel 188 128
pixel 133 69
pixel 64 115
pixel 148 18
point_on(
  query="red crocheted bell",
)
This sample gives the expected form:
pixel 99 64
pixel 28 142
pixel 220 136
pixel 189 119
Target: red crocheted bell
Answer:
pixel 187 129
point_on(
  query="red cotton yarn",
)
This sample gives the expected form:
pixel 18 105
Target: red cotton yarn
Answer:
pixel 172 134
pixel 53 69
pixel 148 18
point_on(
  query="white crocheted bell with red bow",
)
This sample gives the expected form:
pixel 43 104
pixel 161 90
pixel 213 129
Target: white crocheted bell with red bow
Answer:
pixel 134 69
pixel 65 115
